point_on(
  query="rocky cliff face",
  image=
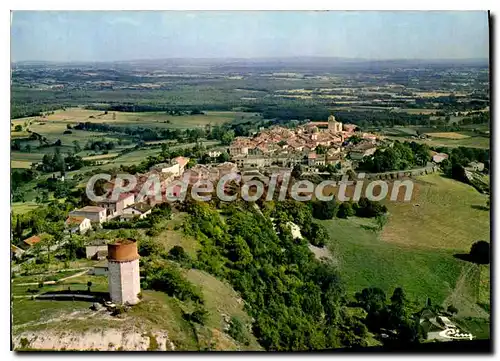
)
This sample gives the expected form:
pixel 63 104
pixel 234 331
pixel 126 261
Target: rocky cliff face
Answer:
pixel 96 340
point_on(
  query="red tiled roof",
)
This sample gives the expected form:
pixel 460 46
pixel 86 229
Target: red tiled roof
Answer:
pixel 75 219
pixel 32 240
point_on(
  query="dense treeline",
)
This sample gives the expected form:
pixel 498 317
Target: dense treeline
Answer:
pixel 363 208
pixel 397 156
pixel 298 303
pixel 294 299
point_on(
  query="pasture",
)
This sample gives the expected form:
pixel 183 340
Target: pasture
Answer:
pixel 448 135
pixel 470 141
pixel 72 116
pixel 416 248
pixel 443 214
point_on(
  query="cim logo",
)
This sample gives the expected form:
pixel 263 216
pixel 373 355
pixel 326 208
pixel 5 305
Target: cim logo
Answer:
pixel 454 334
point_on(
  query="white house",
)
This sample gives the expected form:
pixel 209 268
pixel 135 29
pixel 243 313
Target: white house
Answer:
pixel 78 224
pixel 141 210
pixel 175 167
pixel 94 213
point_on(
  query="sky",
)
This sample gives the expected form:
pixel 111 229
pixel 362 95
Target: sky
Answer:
pixel 135 35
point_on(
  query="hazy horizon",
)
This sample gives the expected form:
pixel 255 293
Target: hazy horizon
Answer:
pixel 134 36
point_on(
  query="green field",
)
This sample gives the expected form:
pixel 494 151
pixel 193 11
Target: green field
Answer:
pixel 416 248
pixel 471 142
pixel 443 214
pixel 364 260
pixel 56 123
pixel 23 207
pixel 53 126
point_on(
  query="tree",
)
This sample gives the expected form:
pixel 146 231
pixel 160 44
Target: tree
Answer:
pixel 76 146
pixel 227 137
pixel 89 284
pixel 318 235
pixel 18 128
pixel 371 299
pixel 46 242
pixel 480 252
pixel 18 230
pixel 296 171
pixel 345 210
pixel 165 151
pixel 237 330
pixel 324 209
pixel 223 157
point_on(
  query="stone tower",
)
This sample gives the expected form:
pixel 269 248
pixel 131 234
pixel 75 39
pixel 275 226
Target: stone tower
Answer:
pixel 123 275
pixel 333 125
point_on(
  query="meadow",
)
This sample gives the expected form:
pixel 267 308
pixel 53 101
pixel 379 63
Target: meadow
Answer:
pixel 416 248
pixel 57 122
pixel 53 126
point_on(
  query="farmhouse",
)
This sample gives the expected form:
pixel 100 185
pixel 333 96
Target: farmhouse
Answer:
pixel 438 157
pixel 94 213
pixel 115 207
pixel 77 224
pixel 475 166
pixel 15 252
pixel 140 210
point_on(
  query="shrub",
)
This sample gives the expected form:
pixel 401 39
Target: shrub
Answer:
pixel 345 210
pixel 480 252
pixel 24 342
pixel 119 310
pixel 178 254
pixel 200 316
pixel 168 279
pixel 148 247
pixel 237 330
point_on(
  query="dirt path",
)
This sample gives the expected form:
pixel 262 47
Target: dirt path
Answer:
pixel 54 282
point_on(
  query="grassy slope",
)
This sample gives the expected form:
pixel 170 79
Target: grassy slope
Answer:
pixel 366 261
pixel 416 248
pixel 448 216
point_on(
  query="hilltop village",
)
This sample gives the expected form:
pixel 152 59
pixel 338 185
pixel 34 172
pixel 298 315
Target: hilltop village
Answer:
pixel 313 144
pixel 329 148
pixel 313 147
